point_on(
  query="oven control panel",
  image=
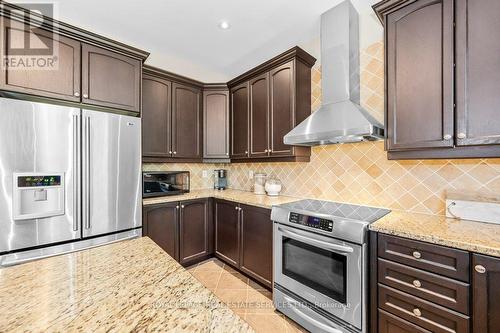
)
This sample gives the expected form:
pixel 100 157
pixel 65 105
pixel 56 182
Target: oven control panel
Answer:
pixel 311 221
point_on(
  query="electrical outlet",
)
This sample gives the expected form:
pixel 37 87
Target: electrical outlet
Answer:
pixel 204 173
pixel 250 174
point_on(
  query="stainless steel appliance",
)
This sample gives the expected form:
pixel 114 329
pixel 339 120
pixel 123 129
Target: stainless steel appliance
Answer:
pixel 67 176
pixel 220 179
pixel 162 183
pixel 320 263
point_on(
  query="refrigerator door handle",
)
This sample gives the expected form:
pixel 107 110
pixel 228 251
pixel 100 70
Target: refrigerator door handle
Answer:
pixel 76 150
pixel 87 173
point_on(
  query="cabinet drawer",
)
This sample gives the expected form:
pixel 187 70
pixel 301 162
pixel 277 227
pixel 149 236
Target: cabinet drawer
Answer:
pixel 433 258
pixel 389 323
pixel 420 312
pixel 438 289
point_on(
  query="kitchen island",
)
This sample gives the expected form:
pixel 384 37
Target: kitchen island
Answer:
pixel 126 286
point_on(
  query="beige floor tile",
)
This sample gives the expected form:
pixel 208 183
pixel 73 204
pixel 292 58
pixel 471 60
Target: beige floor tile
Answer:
pixel 209 279
pixel 210 265
pixel 232 281
pixel 266 323
pixel 234 298
pixel 260 301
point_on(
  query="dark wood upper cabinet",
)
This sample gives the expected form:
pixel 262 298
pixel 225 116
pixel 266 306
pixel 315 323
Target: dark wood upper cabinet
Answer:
pixel 259 115
pixel 156 117
pixel 160 224
pixel 216 124
pixel 257 243
pixel 227 231
pixel 278 97
pixel 194 231
pixel 240 111
pixel 186 121
pixel 60 80
pixel 486 294
pixel 282 110
pixel 442 78
pixel 110 79
pixel 420 75
pixel 477 76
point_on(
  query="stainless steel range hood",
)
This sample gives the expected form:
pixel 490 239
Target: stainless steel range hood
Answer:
pixel 340 119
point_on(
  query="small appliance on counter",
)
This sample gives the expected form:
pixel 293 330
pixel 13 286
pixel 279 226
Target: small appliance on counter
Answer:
pixel 220 179
pixel 163 183
pixel 259 183
pixel 273 187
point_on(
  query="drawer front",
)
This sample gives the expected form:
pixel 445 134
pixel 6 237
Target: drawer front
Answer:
pixel 389 323
pixel 444 291
pixel 420 312
pixel 433 258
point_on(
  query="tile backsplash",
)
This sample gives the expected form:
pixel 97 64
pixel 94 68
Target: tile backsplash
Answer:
pixel 360 173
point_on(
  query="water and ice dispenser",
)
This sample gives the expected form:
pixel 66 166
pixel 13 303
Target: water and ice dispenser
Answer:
pixel 37 195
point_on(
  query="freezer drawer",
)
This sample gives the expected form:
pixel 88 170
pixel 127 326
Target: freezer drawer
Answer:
pixel 39 180
pixel 111 167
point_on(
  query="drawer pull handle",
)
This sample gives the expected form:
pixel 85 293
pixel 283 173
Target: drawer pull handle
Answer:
pixel 480 269
pixel 417 312
pixel 417 255
pixel 417 283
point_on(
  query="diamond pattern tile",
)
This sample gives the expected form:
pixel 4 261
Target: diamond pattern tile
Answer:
pixel 360 173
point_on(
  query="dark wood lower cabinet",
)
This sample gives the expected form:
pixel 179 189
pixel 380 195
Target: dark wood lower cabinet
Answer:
pixel 160 224
pixel 486 299
pixel 195 231
pixel 227 230
pixel 256 257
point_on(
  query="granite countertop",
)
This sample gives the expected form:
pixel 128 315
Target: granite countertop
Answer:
pixel 126 286
pixel 239 196
pixel 472 236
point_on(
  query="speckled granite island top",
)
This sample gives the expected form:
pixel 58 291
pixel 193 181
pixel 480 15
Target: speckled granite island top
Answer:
pixel 243 197
pixel 461 234
pixel 126 286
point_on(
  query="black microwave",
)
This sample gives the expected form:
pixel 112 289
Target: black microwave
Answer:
pixel 162 183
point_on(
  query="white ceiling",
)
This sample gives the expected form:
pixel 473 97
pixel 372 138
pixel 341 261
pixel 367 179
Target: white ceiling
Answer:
pixel 183 36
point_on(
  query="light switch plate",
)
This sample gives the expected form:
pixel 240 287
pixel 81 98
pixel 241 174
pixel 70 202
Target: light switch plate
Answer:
pixel 250 174
pixel 204 174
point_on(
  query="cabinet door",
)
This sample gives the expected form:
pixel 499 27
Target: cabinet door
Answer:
pixel 216 124
pixel 160 224
pixel 486 294
pixel 194 231
pixel 227 245
pixel 110 79
pixel 282 112
pixel 257 243
pixel 156 117
pixel 186 121
pixel 478 76
pixel 240 110
pixel 59 74
pixel 259 116
pixel 420 76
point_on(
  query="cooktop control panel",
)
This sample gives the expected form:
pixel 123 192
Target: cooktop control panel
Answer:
pixel 311 221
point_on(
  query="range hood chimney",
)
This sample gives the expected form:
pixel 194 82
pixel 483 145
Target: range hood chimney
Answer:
pixel 341 118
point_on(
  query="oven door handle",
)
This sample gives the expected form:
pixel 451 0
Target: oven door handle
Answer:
pixel 316 242
pixel 293 306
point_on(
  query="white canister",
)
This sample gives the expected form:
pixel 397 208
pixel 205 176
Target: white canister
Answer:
pixel 259 183
pixel 273 187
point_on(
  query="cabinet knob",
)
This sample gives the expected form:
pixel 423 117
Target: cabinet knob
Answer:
pixel 447 137
pixel 246 152
pixel 175 152
pixel 270 150
pixel 76 94
pixel 417 255
pixel 480 269
pixel 85 96
pixel 265 150
pixel 417 283
pixel 227 154
pixel 182 206
pixel 170 152
pixel 417 312
pixel 236 208
pixel 176 207
pixel 461 135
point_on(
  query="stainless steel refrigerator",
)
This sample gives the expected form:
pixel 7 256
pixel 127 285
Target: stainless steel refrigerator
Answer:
pixel 69 179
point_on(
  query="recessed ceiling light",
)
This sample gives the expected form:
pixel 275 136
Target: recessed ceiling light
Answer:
pixel 224 25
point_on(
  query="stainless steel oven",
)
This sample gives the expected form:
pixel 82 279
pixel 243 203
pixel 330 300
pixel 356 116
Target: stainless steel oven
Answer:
pixel 320 264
